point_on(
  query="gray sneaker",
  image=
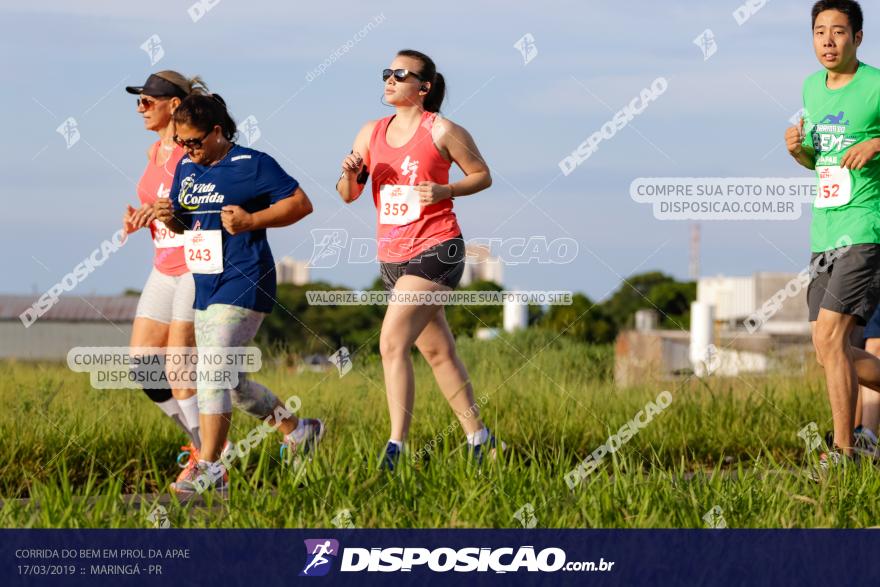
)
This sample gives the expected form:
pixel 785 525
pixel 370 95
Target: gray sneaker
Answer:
pixel 293 452
pixel 865 444
pixel 831 461
pixel 200 479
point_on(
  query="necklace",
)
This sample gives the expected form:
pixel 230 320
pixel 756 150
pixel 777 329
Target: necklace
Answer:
pixel 164 156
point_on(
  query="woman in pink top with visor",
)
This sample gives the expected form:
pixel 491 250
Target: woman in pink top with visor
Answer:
pixel 421 249
pixel 164 316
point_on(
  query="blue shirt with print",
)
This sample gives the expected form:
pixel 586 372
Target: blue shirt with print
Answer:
pixel 247 178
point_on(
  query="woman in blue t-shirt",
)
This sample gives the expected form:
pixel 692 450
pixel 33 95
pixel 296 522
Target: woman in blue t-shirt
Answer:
pixel 223 198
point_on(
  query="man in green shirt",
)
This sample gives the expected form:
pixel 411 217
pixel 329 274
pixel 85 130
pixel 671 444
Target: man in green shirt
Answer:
pixel 841 117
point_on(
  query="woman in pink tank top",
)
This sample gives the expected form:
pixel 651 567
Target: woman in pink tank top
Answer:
pixel 155 183
pixel 420 245
pixel 164 316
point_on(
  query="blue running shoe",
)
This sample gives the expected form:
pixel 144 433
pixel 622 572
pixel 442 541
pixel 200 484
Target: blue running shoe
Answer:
pixel 490 447
pixel 389 460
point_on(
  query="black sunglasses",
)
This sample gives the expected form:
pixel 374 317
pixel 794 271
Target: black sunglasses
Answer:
pixel 191 143
pixel 399 74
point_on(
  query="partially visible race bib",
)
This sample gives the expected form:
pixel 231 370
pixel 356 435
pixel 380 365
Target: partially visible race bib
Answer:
pixel 203 250
pixel 164 237
pixel 835 186
pixel 398 204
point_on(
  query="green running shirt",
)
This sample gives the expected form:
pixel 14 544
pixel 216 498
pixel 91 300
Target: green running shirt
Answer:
pixel 847 205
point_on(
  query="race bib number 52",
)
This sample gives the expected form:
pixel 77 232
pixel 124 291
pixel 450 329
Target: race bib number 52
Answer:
pixel 203 250
pixel 835 186
pixel 398 204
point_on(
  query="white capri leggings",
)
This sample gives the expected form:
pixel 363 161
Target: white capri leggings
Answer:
pixel 222 325
pixel 167 298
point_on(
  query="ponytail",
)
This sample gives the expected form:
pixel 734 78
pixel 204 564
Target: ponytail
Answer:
pixel 436 93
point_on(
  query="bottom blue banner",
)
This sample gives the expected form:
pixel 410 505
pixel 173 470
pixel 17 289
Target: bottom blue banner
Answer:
pixel 426 557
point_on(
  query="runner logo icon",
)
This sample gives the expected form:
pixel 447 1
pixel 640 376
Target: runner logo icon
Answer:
pixel 319 555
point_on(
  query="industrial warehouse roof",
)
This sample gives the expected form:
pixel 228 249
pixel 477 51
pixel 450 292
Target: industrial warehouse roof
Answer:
pixel 72 308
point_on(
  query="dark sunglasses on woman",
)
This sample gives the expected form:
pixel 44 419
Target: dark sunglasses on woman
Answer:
pixel 399 74
pixel 191 143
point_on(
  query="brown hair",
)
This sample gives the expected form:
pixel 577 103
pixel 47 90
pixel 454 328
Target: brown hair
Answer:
pixel 204 111
pixel 429 74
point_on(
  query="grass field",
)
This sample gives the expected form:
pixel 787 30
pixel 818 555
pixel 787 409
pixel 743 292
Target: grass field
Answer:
pixel 68 452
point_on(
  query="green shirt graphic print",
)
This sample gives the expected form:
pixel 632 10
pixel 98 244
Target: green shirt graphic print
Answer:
pixel 847 206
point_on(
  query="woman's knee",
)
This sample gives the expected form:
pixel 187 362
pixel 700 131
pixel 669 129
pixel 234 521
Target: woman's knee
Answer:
pixel 148 333
pixel 437 355
pixel 393 345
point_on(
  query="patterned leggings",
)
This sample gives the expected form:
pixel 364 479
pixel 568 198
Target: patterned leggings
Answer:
pixel 222 325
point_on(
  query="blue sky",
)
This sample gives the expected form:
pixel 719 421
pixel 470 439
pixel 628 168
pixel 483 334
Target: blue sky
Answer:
pixel 721 117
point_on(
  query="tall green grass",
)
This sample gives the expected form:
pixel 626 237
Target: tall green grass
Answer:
pixel 72 452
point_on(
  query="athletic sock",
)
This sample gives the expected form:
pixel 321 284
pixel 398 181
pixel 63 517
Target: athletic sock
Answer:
pixel 478 437
pixel 172 410
pixel 298 434
pixel 189 408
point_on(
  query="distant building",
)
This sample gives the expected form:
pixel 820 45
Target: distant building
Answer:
pixel 290 270
pixel 736 299
pixel 73 321
pixel 756 324
pixel 663 354
pixel 480 265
